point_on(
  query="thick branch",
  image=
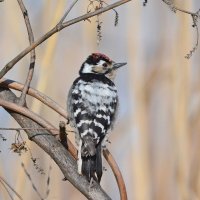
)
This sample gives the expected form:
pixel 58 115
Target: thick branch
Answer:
pixel 54 30
pixel 32 58
pixel 57 152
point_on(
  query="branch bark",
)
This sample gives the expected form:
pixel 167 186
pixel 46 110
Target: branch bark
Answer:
pixel 55 150
pixel 10 65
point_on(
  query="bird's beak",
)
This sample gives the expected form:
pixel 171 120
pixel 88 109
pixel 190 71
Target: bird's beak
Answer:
pixel 118 65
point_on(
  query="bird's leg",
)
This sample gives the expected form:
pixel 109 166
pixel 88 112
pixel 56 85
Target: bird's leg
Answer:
pixel 64 179
pixel 79 162
pixel 68 120
pixel 92 183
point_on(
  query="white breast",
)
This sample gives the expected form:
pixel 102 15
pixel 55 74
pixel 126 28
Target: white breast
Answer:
pixel 97 94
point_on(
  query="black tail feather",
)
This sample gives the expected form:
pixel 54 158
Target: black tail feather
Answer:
pixel 88 167
pixel 92 165
pixel 98 163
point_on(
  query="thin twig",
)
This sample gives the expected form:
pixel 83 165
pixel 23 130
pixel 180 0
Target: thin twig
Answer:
pixel 117 173
pixel 47 101
pixel 194 15
pixel 184 11
pixel 22 99
pixel 30 179
pixel 23 129
pixel 194 18
pixel 175 8
pixel 48 182
pixel 8 185
pixel 10 65
pixel 66 13
pixel 7 190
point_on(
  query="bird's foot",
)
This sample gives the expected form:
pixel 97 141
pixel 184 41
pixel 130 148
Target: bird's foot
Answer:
pixel 92 184
pixel 64 179
pixel 104 169
pixel 108 141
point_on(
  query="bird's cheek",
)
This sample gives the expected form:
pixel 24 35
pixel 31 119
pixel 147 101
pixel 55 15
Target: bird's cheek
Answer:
pixel 97 69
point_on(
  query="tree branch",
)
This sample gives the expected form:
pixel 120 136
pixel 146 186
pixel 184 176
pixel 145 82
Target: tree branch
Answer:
pixel 56 150
pixel 22 99
pixel 26 112
pixel 11 188
pixel 8 192
pixel 10 65
pixel 195 16
pixel 67 12
pixel 34 93
pixel 117 173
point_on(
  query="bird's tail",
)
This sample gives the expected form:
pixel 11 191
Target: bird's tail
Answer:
pixel 92 165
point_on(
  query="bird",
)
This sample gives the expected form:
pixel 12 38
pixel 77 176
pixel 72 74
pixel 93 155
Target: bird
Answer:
pixel 92 105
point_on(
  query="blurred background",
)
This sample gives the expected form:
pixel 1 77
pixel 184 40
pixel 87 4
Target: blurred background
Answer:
pixel 156 138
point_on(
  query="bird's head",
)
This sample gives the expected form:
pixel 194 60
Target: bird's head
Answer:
pixel 98 63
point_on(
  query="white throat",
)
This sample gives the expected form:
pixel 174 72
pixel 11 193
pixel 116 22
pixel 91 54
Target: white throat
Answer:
pixel 87 68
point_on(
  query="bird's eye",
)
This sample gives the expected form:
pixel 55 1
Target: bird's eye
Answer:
pixel 105 64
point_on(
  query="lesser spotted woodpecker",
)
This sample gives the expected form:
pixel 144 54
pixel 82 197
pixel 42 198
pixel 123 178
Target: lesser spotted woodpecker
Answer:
pixel 92 106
